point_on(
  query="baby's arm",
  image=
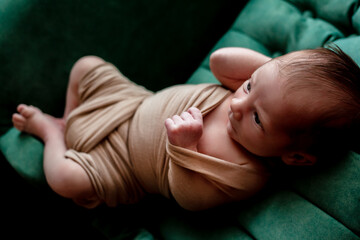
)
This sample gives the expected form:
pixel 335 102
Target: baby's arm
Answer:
pixel 185 130
pixel 232 66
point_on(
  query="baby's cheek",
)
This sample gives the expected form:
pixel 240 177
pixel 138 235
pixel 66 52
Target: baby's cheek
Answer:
pixel 253 144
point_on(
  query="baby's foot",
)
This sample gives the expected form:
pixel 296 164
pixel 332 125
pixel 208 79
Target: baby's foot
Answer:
pixel 33 121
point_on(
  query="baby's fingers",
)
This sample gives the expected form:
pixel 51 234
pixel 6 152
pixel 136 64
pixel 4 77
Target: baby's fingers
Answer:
pixel 187 117
pixel 177 120
pixel 169 124
pixel 196 114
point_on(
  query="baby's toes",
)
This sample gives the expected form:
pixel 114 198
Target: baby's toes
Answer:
pixel 21 107
pixel 18 121
pixel 27 111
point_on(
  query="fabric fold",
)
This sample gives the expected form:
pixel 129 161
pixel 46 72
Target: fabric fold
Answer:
pixel 237 176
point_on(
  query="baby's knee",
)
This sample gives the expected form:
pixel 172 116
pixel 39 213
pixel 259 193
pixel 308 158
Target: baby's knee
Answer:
pixel 69 180
pixel 84 65
pixel 89 61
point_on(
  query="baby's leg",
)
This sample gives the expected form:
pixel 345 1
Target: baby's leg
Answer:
pixel 80 68
pixel 64 176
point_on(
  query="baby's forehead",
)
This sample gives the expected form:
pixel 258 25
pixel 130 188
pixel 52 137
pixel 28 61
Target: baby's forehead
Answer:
pixel 289 61
pixel 294 55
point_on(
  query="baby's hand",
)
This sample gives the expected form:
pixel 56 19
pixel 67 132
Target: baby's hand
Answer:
pixel 185 130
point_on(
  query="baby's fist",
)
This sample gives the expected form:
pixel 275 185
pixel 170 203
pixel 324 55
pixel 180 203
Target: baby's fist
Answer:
pixel 185 130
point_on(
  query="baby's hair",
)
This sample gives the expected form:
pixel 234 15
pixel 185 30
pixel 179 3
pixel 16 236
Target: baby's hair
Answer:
pixel 333 80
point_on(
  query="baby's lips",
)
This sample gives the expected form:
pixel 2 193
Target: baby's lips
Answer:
pixel 237 116
pixel 234 115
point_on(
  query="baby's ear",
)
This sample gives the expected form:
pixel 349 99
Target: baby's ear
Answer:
pixel 299 159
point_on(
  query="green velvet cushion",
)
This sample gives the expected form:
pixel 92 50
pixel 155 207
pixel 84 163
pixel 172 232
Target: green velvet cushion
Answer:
pixel 280 26
pixel 25 154
pixel 335 190
pixel 287 215
pixel 351 46
pixel 336 12
pixel 356 20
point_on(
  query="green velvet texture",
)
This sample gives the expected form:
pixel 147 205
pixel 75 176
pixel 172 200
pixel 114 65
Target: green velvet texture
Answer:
pixel 338 12
pixel 315 203
pixel 212 225
pixel 351 46
pixel 356 20
pixel 335 189
pixel 301 31
pixel 286 215
pixel 31 148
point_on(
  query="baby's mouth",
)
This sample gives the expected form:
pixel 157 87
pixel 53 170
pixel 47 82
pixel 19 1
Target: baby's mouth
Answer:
pixel 230 128
pixel 234 115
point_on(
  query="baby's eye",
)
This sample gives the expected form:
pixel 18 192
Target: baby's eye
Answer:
pixel 256 119
pixel 248 86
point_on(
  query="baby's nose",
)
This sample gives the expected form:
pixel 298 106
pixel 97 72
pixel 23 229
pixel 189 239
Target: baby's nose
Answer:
pixel 236 108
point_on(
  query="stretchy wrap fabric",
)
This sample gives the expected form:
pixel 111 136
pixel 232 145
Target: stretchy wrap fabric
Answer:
pixel 117 135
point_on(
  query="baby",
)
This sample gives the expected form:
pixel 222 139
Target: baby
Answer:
pixel 111 145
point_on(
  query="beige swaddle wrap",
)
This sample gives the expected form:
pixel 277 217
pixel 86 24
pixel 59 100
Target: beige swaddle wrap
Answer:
pixel 117 135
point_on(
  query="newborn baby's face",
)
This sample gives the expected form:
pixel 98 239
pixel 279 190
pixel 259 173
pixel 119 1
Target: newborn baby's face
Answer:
pixel 258 114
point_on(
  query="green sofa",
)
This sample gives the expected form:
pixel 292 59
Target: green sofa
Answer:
pixel 159 44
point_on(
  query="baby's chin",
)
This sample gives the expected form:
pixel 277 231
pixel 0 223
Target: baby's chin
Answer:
pixel 237 140
pixel 233 134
